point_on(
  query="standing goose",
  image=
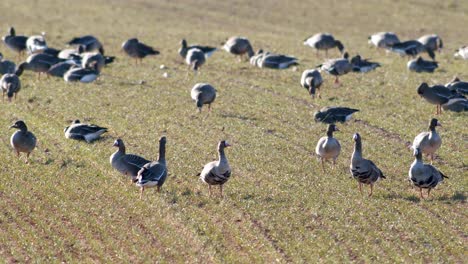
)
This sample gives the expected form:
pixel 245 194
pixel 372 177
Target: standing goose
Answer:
pixel 10 84
pixel 428 142
pixel 363 170
pixel 420 65
pixel 437 94
pixel 432 42
pixel 14 42
pixel 384 40
pixel 462 53
pixel 127 164
pixel 238 46
pixel 88 42
pixel 203 93
pixel 337 67
pixel 207 50
pixel 135 49
pixel 154 173
pixel 424 176
pixel 195 59
pixel 39 63
pixel 323 41
pixel 22 140
pixel 334 114
pixel 311 80
pixel 363 65
pixel 6 66
pixel 36 44
pixel 328 147
pixel 411 48
pixel 217 172
pixel 87 132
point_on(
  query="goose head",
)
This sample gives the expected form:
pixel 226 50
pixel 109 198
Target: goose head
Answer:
pixel 340 46
pixel 20 125
pixel 118 143
pixel 346 55
pixel 422 88
pixel 356 137
pixel 223 144
pixel 76 121
pixel 434 122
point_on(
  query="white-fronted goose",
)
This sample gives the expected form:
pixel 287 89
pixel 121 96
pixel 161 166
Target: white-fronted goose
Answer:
pixel 36 44
pixel 239 46
pixel 84 75
pixel 22 140
pixel 424 176
pixel 311 80
pixel 458 86
pixel 411 48
pixel 217 172
pixel 328 147
pixel 89 43
pixel 421 65
pixel 334 114
pixel 363 170
pixel 6 66
pixel 127 164
pixel 432 42
pixel 456 105
pixel 87 132
pixel 323 41
pixel 272 61
pixel 137 50
pixel 203 93
pixel 154 173
pixel 363 65
pixel 462 53
pixel 437 94
pixel 10 84
pixel 14 42
pixel 88 59
pixel 195 59
pixel 39 63
pixel 207 50
pixel 428 142
pixel 337 67
pixel 384 40
pixel 59 69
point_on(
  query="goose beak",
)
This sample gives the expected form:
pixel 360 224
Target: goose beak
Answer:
pixel 439 124
pixel 228 145
pixel 116 144
pixel 13 126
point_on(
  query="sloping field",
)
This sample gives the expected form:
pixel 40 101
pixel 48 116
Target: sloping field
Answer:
pixel 70 205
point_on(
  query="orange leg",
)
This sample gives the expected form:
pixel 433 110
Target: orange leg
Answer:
pixel 221 190
pixel 371 189
pixel 420 193
pixel 360 188
pixel 141 193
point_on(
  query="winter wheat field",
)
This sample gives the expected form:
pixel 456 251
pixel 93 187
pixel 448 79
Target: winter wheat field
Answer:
pixel 69 205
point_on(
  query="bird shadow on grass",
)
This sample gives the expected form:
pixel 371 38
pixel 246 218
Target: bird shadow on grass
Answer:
pixel 457 197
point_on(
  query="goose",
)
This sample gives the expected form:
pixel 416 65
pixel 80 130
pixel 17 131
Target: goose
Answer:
pixel 424 176
pixel 14 42
pixel 87 132
pixel 337 67
pixel 328 147
pixel 207 50
pixel 432 42
pixel 311 80
pixel 363 170
pixel 10 84
pixel 36 44
pixel 428 142
pixel 6 66
pixel 154 173
pixel 323 41
pixel 39 63
pixel 462 53
pixel 383 39
pixel 59 69
pixel 420 65
pixel 51 51
pixel 203 93
pixel 411 48
pixel 88 42
pixel 84 75
pixel 195 59
pixel 239 46
pixel 274 61
pixel 363 65
pixel 333 114
pixel 456 105
pixel 437 94
pixel 135 49
pixel 217 172
pixel 458 86
pixel 127 164
pixel 22 140
pixel 74 53
pixel 90 58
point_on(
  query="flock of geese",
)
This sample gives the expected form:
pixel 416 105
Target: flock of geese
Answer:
pixel 84 61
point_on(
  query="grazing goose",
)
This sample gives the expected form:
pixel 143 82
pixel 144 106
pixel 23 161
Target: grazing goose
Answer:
pixel 428 142
pixel 6 66
pixel 14 42
pixel 456 105
pixel 84 75
pixel 328 147
pixel 363 170
pixel 36 44
pixel 334 114
pixel 154 173
pixel 462 53
pixel 411 48
pixel 238 46
pixel 337 67
pixel 432 42
pixel 127 164
pixel 274 61
pixel 135 49
pixel 22 140
pixel 59 69
pixel 217 172
pixel 203 93
pixel 89 43
pixel 323 41
pixel 384 40
pixel 87 132
pixel 458 86
pixel 195 59
pixel 207 50
pixel 311 80
pixel 363 65
pixel 39 63
pixel 424 175
pixel 420 65
pixel 437 94
pixel 10 84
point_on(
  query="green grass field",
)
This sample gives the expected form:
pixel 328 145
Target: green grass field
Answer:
pixel 70 205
